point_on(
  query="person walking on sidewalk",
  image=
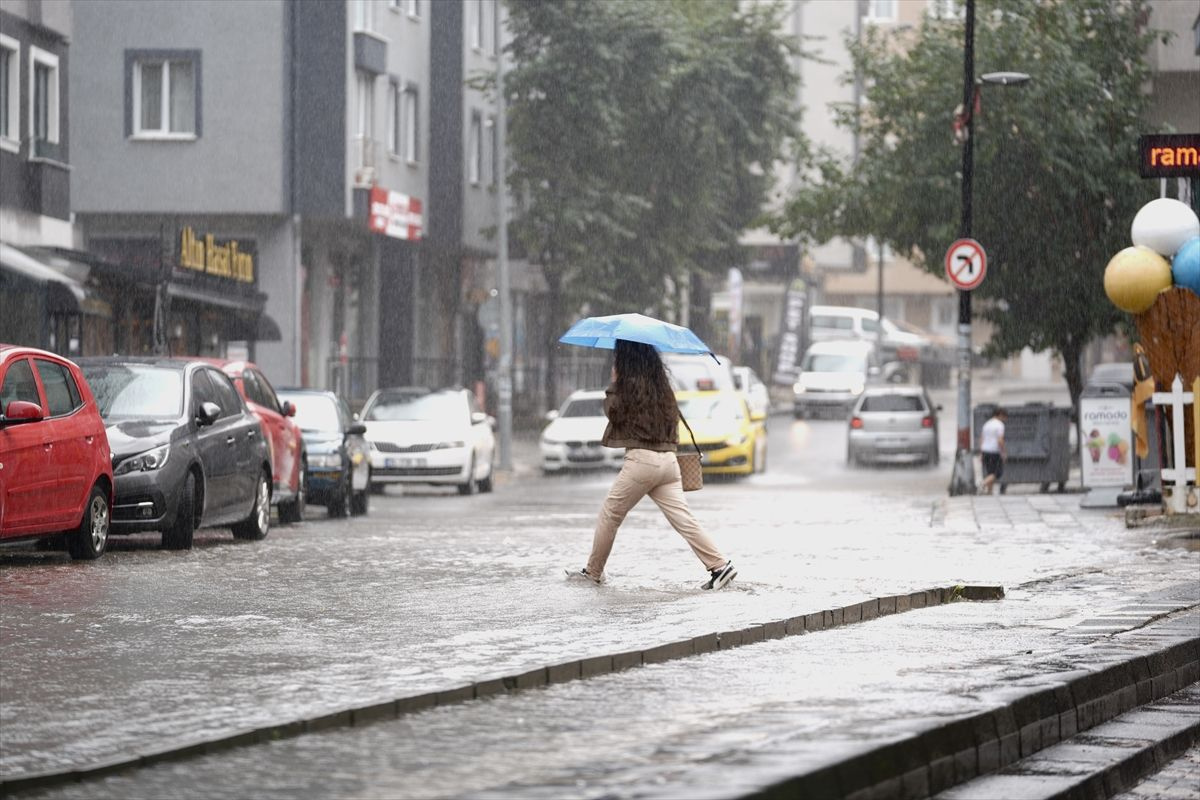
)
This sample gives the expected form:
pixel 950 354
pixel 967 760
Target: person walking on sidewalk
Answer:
pixel 991 445
pixel 643 418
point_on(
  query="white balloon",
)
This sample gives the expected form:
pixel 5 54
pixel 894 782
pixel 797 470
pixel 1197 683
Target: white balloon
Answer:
pixel 1163 225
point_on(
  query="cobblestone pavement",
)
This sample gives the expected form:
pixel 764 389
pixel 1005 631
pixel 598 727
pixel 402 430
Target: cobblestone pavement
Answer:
pixel 1178 780
pixel 153 648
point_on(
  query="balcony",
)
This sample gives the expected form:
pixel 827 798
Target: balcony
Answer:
pixel 46 150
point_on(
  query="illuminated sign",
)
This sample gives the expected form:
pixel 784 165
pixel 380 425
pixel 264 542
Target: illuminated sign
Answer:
pixel 221 259
pixel 1169 155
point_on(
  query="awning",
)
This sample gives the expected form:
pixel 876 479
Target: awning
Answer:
pixel 268 329
pixel 65 280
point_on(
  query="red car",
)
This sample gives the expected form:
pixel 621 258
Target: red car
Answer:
pixel 289 462
pixel 55 465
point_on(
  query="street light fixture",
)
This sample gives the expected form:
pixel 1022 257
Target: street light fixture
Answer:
pixel 962 480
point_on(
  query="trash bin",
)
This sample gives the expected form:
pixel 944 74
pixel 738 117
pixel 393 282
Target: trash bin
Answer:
pixel 1037 437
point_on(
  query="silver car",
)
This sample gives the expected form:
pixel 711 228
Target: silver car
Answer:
pixel 893 422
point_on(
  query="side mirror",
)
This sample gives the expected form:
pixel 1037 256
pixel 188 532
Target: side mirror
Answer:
pixel 289 410
pixel 478 418
pixel 209 413
pixel 550 415
pixel 357 429
pixel 873 372
pixel 21 411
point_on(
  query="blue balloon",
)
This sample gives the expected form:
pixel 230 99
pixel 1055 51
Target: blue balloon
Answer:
pixel 1185 267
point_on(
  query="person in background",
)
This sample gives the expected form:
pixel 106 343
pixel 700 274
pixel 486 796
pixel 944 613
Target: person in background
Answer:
pixel 991 445
pixel 643 418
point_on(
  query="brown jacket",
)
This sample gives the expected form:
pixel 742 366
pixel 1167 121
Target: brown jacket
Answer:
pixel 631 427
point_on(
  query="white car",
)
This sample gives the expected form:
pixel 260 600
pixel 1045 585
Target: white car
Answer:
pixel 755 392
pixel 437 437
pixel 572 439
pixel 832 376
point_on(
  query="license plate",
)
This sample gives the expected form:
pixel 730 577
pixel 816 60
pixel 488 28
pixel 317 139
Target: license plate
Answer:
pixel 402 463
pixel 893 441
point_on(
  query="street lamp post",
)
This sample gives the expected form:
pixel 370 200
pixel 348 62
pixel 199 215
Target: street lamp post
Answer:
pixel 962 480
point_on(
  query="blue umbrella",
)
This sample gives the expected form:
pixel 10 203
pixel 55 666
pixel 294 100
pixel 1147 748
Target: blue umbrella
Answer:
pixel 603 332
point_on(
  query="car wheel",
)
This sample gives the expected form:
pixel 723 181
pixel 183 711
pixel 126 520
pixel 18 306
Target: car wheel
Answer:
pixel 90 541
pixel 258 524
pixel 486 483
pixel 292 511
pixel 339 502
pixel 470 487
pixel 179 535
pixel 798 414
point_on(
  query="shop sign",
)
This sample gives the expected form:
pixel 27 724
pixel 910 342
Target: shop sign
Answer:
pixel 1169 155
pixel 394 214
pixel 1105 431
pixel 221 259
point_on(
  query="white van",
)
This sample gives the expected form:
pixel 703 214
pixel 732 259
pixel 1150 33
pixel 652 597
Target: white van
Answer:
pixel 833 323
pixel 833 375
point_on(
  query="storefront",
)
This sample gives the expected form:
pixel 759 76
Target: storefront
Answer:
pixel 53 299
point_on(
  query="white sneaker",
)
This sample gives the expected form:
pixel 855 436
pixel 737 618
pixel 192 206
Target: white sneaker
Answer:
pixel 720 576
pixel 582 575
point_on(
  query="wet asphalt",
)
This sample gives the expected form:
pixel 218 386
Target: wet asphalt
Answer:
pixel 148 648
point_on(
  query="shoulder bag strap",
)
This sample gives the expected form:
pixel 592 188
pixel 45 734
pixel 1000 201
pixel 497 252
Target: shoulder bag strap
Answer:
pixel 689 430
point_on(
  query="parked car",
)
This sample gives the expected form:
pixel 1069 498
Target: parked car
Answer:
pixel 755 391
pixel 288 459
pixel 437 437
pixel 186 451
pixel 339 459
pixel 893 422
pixel 55 472
pixel 832 376
pixel 572 439
pixel 698 373
pixel 730 441
pixel 833 323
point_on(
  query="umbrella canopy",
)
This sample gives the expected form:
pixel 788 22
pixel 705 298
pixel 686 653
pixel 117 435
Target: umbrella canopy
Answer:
pixel 603 332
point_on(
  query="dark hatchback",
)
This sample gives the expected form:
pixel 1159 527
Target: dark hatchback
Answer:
pixel 187 452
pixel 339 463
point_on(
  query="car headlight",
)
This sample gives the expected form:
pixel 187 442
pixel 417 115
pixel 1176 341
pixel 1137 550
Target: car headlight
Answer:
pixel 144 462
pixel 325 460
pixel 448 445
pixel 736 441
pixel 798 388
pixel 856 388
pixel 549 441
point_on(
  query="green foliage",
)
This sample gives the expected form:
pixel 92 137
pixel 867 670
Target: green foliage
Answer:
pixel 1055 179
pixel 637 131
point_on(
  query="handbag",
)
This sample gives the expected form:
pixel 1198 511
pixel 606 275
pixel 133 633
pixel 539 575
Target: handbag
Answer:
pixel 689 463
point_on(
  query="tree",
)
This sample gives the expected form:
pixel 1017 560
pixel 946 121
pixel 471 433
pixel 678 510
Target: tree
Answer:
pixel 1055 183
pixel 641 137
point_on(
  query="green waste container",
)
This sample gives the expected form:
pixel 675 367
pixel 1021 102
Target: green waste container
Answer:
pixel 1038 439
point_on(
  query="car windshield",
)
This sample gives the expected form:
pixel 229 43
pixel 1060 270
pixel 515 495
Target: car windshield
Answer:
pixel 834 362
pixel 719 407
pixel 429 407
pixel 591 407
pixel 315 413
pixel 698 373
pixel 132 391
pixel 892 403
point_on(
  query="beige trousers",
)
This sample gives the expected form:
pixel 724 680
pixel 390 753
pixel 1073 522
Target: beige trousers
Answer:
pixel 647 472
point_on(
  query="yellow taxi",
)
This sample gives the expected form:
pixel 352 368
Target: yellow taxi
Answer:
pixel 732 440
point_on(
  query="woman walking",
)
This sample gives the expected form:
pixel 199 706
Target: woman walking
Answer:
pixel 644 419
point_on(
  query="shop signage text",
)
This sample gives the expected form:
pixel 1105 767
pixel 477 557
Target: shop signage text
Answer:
pixel 394 214
pixel 1169 155
pixel 221 259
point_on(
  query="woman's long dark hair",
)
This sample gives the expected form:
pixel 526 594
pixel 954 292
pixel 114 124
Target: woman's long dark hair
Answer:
pixel 642 384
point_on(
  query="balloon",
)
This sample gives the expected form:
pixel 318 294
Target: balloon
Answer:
pixel 1134 277
pixel 1163 225
pixel 1185 268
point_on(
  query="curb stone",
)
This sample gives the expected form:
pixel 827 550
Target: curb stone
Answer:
pixel 542 676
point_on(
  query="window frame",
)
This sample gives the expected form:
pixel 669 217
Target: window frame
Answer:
pixel 475 148
pixel 363 16
pixel 412 9
pixel 410 115
pixel 364 104
pixel 491 153
pixel 395 122
pixel 73 393
pixel 38 56
pixel 134 59
pixel 11 139
pixel 33 382
pixel 872 8
pixel 475 25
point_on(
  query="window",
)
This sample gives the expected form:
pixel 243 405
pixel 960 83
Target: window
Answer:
pixel 409 111
pixel 414 8
pixel 492 156
pixel 475 148
pixel 62 395
pixel 43 95
pixel 365 118
pixel 881 10
pixel 395 129
pixel 269 399
pixel 10 93
pixel 164 94
pixel 364 15
pixel 897 403
pixel 224 394
pixel 487 17
pixel 946 9
pixel 475 23
pixel 19 385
